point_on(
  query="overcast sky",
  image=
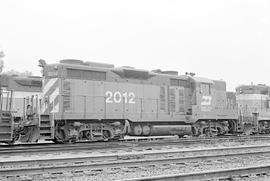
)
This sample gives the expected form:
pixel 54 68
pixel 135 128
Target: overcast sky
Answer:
pixel 227 40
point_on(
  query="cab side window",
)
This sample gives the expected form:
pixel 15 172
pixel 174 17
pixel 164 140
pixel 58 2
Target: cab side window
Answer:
pixel 205 89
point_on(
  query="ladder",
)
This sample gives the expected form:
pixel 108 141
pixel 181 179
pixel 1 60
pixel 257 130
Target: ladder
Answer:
pixel 45 127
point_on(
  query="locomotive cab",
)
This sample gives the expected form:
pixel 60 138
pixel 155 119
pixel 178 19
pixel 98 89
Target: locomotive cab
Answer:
pixel 202 95
pixel 212 112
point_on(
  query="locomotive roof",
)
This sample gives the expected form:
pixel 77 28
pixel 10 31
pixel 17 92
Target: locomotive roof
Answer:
pixel 21 83
pixel 203 80
pixel 125 71
pixel 119 70
pixel 259 86
pixel 253 89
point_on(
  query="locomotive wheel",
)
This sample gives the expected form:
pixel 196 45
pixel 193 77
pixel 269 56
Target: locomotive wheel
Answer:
pixel 16 136
pixel 210 133
pixel 137 130
pixel 88 135
pixel 106 135
pixel 60 136
pixel 146 130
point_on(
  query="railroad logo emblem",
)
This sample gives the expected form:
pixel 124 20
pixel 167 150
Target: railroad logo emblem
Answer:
pixel 206 100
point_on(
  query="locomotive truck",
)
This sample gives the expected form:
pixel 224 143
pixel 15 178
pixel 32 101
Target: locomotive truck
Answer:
pixel 95 101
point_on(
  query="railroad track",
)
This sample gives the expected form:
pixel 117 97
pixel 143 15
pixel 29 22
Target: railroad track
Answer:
pixel 128 143
pixel 221 174
pixel 90 164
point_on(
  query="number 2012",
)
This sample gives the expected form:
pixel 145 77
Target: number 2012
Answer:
pixel 117 97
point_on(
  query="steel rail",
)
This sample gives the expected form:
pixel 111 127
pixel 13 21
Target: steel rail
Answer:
pixel 116 161
pixel 21 149
pixel 209 175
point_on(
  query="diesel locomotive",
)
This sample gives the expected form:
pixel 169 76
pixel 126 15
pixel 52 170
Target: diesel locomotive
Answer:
pixel 254 108
pixel 89 101
pixel 94 101
pixel 16 92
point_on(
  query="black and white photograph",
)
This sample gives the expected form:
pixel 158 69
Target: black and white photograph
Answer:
pixel 135 90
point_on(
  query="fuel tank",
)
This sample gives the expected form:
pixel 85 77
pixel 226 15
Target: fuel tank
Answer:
pixel 162 130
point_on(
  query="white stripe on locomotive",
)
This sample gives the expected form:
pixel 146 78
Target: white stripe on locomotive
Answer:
pixel 51 92
pixel 55 108
pixel 49 85
pixel 53 96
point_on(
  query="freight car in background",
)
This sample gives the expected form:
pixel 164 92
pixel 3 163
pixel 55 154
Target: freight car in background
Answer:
pixel 254 108
pixel 95 101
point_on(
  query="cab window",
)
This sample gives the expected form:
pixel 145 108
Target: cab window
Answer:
pixel 205 89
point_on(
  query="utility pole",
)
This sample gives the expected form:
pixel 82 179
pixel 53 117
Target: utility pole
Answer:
pixel 1 61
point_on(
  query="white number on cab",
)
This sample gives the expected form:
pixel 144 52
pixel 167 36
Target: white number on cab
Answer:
pixel 117 97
